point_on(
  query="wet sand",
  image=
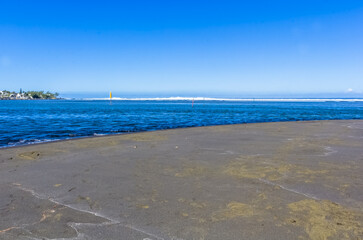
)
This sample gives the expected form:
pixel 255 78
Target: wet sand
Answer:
pixel 292 180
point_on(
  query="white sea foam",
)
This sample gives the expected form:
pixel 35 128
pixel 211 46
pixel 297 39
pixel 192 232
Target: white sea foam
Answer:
pixel 99 134
pixel 233 99
pixel 28 142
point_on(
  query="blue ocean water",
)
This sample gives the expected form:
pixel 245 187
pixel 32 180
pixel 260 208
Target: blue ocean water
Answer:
pixel 26 122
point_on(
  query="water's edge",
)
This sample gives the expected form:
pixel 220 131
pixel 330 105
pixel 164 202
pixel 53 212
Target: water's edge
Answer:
pixel 33 122
pixel 162 130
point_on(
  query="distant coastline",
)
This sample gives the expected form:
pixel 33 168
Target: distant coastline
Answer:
pixel 28 95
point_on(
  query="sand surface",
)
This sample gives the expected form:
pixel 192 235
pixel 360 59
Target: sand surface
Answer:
pixel 295 180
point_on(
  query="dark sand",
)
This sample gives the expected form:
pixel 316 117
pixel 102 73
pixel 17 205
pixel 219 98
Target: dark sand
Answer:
pixel 295 180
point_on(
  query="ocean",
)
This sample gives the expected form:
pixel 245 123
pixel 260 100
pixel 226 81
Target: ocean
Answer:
pixel 35 121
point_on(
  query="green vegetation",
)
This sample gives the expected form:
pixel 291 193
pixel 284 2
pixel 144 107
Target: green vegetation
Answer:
pixel 28 95
pixel 42 95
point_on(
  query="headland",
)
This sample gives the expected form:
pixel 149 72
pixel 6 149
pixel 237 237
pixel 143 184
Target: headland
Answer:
pixel 27 95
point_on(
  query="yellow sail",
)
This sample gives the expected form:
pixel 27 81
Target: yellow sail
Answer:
pixel 110 95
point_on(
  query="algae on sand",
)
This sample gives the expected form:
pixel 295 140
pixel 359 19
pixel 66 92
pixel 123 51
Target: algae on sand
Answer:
pixel 325 219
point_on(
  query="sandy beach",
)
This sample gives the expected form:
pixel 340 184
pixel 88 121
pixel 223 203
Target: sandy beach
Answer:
pixel 287 180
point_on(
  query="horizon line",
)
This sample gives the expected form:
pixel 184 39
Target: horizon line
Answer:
pixel 225 99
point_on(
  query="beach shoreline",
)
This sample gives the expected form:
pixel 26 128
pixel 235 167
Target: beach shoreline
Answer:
pixel 38 121
pixel 156 130
pixel 275 180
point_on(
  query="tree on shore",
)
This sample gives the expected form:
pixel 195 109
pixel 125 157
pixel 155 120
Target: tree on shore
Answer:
pixel 42 95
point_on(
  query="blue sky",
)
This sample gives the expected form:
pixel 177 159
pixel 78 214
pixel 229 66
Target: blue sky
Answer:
pixel 209 48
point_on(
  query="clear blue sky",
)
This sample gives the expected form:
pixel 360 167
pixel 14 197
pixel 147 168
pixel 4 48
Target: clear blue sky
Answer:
pixel 239 48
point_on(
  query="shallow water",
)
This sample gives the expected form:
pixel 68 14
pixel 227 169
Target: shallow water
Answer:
pixel 27 122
